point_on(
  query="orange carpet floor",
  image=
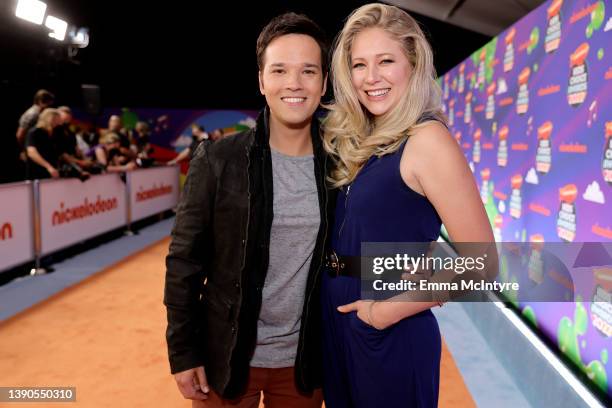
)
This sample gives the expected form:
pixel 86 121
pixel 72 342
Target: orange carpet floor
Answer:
pixel 105 336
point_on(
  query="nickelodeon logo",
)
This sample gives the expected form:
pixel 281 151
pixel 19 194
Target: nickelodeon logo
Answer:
pixel 6 231
pixel 85 210
pixel 153 192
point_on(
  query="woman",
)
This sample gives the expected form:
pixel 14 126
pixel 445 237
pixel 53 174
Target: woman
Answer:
pixel 401 175
pixel 108 154
pixel 41 149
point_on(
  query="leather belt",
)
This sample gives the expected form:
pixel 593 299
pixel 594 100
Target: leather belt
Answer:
pixel 349 266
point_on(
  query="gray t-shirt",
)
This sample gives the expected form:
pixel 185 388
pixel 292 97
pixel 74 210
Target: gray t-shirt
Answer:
pixel 29 118
pixel 292 241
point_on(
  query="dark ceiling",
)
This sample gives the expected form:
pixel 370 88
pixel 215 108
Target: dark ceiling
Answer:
pixel 179 54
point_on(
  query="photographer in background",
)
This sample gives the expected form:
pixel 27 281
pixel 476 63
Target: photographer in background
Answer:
pixel 198 135
pixel 141 144
pixel 74 164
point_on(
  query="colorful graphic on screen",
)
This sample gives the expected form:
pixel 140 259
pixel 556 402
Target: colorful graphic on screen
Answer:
pixel 536 104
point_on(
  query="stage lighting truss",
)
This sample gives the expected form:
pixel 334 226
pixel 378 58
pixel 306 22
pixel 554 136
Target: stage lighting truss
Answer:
pixel 31 10
pixel 79 37
pixel 34 11
pixel 57 26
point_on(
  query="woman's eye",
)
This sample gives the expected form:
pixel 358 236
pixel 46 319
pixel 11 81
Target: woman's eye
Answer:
pixel 386 61
pixel 358 65
pixel 309 72
pixel 278 71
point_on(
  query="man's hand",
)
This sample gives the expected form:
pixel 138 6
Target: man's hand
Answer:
pixel 192 383
pixel 130 166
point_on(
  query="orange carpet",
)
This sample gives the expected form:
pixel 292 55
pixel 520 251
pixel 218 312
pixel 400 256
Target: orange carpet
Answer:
pixel 105 336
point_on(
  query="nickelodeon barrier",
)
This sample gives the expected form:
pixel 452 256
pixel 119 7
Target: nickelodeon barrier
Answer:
pixel 532 112
pixel 41 217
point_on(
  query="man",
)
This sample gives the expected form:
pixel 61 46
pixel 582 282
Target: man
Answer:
pixel 66 141
pixel 244 265
pixel 42 100
pixel 198 135
pixel 115 125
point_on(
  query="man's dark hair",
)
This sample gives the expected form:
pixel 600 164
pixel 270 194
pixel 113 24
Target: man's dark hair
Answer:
pixel 292 23
pixel 43 96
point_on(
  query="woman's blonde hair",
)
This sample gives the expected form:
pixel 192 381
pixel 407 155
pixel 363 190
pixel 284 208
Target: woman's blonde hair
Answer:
pixel 45 119
pixel 351 134
pixel 110 137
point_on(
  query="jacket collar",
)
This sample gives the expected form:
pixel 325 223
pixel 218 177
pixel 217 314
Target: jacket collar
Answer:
pixel 262 132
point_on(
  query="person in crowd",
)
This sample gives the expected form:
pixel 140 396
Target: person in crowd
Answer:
pixel 141 138
pixel 42 100
pixel 198 135
pixel 141 144
pixel 108 154
pixel 41 148
pixel 243 269
pixel 66 142
pixel 115 125
pixel 217 134
pixel 87 139
pixel 387 136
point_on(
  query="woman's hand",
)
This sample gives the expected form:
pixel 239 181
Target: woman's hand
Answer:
pixel 53 172
pixel 370 313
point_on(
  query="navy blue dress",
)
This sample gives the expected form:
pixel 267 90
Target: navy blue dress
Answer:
pixel 365 367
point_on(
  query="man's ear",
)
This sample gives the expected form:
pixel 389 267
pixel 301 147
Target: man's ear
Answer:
pixel 261 83
pixel 324 85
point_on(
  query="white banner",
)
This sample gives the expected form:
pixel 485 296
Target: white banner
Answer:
pixel 16 224
pixel 153 190
pixel 72 211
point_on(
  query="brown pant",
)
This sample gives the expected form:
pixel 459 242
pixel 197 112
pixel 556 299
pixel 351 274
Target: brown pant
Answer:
pixel 279 391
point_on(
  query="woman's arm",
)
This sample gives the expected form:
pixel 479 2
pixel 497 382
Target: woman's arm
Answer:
pixel 101 156
pixel 435 163
pixel 448 183
pixel 35 156
pixel 181 156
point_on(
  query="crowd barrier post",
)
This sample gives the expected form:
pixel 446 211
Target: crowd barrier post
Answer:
pixel 147 192
pixel 37 270
pixel 128 207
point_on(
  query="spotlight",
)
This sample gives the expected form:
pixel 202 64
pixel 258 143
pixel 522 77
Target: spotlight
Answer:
pixel 58 26
pixel 79 37
pixel 31 10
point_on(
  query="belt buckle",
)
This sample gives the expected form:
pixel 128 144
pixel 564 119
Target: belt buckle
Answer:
pixel 333 262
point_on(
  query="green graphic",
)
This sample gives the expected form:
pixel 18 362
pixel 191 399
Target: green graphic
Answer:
pixel 529 314
pixel 597 18
pixel 128 118
pixel 503 268
pixel 513 294
pixel 489 50
pixel 600 54
pixel 597 373
pixel 490 206
pixel 534 38
pixel 567 335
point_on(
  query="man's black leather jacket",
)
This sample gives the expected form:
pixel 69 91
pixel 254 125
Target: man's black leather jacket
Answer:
pixel 218 260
